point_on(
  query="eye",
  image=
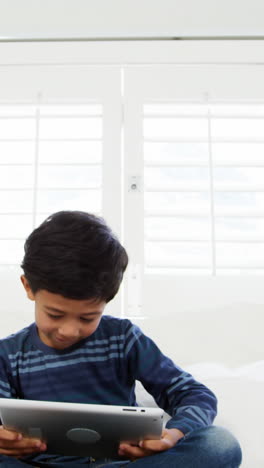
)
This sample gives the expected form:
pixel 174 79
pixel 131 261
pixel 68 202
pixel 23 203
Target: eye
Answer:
pixel 86 320
pixel 54 317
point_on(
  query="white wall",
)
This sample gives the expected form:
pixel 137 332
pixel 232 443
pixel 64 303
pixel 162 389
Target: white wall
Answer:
pixel 127 18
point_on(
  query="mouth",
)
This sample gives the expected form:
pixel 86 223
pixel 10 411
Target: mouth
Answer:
pixel 64 342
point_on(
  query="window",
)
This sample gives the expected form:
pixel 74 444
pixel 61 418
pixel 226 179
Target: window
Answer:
pixel 58 140
pixel 198 165
pixel 193 224
pixel 204 173
pixel 51 159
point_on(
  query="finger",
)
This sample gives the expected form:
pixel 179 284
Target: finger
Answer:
pixel 21 443
pixel 18 452
pixel 156 445
pixel 132 451
pixel 5 434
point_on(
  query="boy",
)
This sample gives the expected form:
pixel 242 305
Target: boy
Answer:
pixel 73 266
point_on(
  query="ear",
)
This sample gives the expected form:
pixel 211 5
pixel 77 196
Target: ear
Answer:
pixel 28 289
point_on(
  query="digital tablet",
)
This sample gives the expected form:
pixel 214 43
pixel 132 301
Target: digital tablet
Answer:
pixel 81 429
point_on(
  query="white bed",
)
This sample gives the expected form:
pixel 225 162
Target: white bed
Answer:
pixel 229 363
pixel 240 394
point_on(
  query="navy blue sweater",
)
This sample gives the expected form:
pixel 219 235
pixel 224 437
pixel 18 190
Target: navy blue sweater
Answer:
pixel 103 369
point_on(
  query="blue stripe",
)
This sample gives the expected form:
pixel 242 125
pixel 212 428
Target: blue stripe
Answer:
pixel 136 334
pixel 4 384
pixel 77 355
pixel 195 416
pixel 68 363
pixel 183 378
pixel 22 354
pixel 197 413
pixel 51 356
pixel 202 413
pixel 4 394
pixel 105 341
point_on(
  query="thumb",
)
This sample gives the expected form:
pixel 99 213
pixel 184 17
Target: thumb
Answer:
pixel 156 445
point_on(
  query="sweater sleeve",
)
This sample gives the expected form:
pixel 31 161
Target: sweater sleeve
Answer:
pixel 190 404
pixel 6 390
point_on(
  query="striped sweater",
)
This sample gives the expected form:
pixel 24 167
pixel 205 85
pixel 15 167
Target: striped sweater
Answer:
pixel 102 369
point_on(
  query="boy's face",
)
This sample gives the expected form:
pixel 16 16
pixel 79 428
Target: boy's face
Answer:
pixel 62 322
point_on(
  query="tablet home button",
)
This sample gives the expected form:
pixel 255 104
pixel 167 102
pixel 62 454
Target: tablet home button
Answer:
pixel 83 435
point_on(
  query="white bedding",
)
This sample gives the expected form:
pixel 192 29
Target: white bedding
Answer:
pixel 240 393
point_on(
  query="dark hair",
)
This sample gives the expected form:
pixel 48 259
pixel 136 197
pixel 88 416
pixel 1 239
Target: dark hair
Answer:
pixel 74 254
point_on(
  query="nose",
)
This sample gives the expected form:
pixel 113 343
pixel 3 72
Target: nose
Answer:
pixel 68 331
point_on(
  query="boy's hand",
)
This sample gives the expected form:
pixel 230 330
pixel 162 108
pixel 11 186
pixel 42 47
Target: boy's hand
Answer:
pixel 14 444
pixel 145 448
